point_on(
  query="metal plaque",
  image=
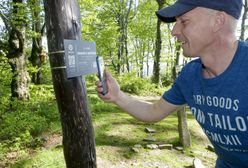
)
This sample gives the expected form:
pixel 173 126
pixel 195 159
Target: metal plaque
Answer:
pixel 80 57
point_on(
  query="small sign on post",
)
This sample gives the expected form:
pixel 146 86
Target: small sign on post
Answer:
pixel 80 57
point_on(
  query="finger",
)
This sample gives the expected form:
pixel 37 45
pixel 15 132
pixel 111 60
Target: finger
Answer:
pixel 108 75
pixel 98 84
pixel 104 97
pixel 99 89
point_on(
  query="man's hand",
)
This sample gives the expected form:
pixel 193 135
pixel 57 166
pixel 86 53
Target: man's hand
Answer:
pixel 112 86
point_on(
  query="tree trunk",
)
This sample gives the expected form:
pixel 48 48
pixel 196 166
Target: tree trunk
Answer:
pixel 63 22
pixel 16 55
pixel 244 17
pixel 122 16
pixel 147 60
pixel 156 64
pixel 184 135
pixel 37 52
pixel 176 62
pixel 120 54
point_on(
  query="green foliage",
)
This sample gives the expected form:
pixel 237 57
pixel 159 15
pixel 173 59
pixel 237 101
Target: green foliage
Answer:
pixel 46 73
pixel 5 78
pixel 97 106
pixel 143 25
pixel 44 159
pixel 3 151
pixel 32 69
pixel 28 119
pixel 22 141
pixel 116 133
pixel 17 122
pixel 45 70
pixel 166 79
pixel 130 83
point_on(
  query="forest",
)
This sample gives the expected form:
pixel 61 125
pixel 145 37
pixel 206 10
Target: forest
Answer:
pixel 47 120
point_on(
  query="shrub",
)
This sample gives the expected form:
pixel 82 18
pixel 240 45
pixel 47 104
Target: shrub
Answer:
pixel 34 115
pixel 5 78
pixel 130 83
pixel 14 124
pixel 3 151
pixel 166 80
pixel 22 141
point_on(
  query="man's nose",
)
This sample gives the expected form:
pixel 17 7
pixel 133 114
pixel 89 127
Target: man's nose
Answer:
pixel 176 30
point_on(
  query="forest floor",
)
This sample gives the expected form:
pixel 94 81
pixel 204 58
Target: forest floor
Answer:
pixel 116 135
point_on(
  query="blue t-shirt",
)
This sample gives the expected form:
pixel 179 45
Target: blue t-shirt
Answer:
pixel 219 104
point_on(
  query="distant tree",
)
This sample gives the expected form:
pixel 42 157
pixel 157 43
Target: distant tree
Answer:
pixel 100 24
pixel 156 66
pixel 38 55
pixel 142 34
pixel 243 21
pixel 110 29
pixel 121 12
pixel 14 18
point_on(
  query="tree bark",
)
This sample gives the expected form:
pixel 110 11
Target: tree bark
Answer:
pixel 176 62
pixel 63 22
pixel 244 17
pixel 37 53
pixel 156 64
pixel 184 135
pixel 16 54
pixel 122 16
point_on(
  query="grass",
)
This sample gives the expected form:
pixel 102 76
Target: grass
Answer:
pixel 115 134
pixel 123 132
pixel 43 159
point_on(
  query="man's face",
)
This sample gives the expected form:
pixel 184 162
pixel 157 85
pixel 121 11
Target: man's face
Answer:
pixel 194 31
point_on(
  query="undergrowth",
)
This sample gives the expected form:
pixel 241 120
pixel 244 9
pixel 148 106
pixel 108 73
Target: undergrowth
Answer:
pixel 23 125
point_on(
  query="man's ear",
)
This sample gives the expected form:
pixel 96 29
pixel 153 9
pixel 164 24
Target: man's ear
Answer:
pixel 220 20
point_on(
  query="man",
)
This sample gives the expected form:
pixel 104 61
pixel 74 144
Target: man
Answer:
pixel 215 85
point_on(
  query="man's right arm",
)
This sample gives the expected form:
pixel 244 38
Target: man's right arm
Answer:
pixel 142 110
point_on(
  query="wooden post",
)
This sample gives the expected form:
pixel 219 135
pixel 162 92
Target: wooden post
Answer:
pixel 184 135
pixel 63 22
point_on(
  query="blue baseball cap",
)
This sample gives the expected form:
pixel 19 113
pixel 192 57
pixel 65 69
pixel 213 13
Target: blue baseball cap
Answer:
pixel 168 14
